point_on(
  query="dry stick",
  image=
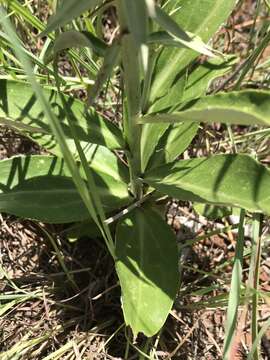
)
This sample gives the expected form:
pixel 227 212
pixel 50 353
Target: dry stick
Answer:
pixel 183 341
pixel 210 336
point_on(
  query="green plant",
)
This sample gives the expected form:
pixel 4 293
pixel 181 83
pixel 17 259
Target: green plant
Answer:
pixel 115 173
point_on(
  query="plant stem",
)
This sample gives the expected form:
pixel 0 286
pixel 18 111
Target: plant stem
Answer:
pixel 132 100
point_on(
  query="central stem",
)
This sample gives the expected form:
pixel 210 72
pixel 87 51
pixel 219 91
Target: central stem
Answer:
pixel 132 100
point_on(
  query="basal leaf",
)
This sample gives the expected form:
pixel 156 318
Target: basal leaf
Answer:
pixel 41 188
pixel 200 17
pixel 247 107
pixel 18 103
pixel 146 264
pixel 69 10
pixel 233 180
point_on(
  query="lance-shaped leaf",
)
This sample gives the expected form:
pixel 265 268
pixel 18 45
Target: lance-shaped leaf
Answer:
pixel 189 41
pixel 18 103
pixel 173 143
pixel 203 23
pixel 175 35
pixel 146 263
pixel 248 107
pixel 41 188
pixel 69 10
pixel 234 180
pixel 185 89
pixel 162 143
pixel 75 39
pixel 150 136
pixel 195 84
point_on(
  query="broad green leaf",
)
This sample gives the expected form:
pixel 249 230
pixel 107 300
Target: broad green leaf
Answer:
pixel 173 143
pixel 152 133
pixel 200 17
pixel 247 107
pixel 146 265
pixel 185 89
pixel 18 103
pixel 172 99
pixel 78 39
pixel 150 136
pixel 194 85
pixel 41 188
pixel 212 212
pixel 69 10
pixel 103 161
pixel 233 180
pixel 200 79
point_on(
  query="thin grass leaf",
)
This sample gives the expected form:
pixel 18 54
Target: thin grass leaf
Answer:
pixel 254 273
pixel 60 258
pixel 77 39
pixel 190 41
pixel 256 343
pixel 95 198
pixel 111 60
pixel 6 307
pixel 23 12
pixel 235 289
pixel 69 10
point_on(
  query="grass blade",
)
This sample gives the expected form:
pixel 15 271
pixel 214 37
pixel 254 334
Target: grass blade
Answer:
pixel 254 279
pixel 69 10
pixel 235 290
